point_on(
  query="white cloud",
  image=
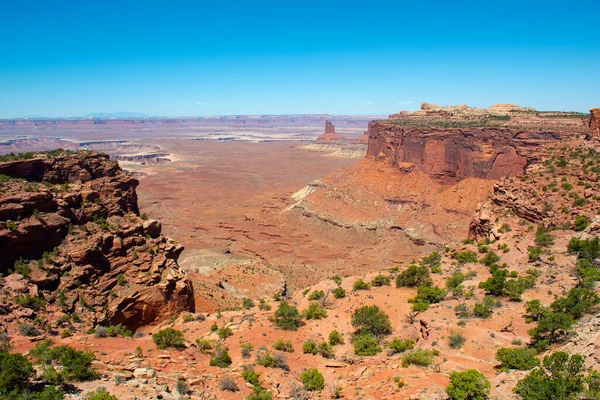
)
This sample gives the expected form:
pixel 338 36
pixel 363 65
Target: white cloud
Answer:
pixel 201 103
pixel 365 102
pixel 406 102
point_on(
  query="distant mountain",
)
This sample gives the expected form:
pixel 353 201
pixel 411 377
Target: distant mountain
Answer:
pixel 116 115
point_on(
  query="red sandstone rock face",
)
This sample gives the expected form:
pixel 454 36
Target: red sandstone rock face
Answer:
pixel 595 123
pixel 456 153
pixel 108 264
pixel 329 136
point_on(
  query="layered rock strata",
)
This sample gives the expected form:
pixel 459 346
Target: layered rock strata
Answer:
pixel 70 231
pixel 456 153
pixel 594 123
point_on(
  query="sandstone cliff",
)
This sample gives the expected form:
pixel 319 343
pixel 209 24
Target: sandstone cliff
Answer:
pixel 70 230
pixel 595 123
pixel 456 153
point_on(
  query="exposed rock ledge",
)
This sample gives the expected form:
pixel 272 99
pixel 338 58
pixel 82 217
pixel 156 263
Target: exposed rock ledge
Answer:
pixel 77 216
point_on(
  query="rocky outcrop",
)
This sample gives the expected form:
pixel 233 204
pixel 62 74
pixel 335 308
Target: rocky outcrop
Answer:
pixel 329 136
pixel 70 226
pixel 594 123
pixel 507 109
pixel 456 153
pixel 464 111
pixel 339 146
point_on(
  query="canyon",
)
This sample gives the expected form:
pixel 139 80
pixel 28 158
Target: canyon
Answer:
pixel 265 221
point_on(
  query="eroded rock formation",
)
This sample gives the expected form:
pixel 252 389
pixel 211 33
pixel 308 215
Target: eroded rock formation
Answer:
pixel 595 123
pixel 329 136
pixel 456 153
pixel 70 226
pixel 339 146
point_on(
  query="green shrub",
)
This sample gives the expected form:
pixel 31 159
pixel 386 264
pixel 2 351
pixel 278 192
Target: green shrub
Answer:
pixel 335 338
pixel 314 311
pixel 258 393
pixel 534 253
pixel 456 340
pixel 326 350
pixel 168 337
pixel 365 345
pixel 100 394
pixel 580 223
pixel 481 310
pixel 370 319
pixel 514 288
pixel 75 364
pixel 420 306
pixel 251 377
pixel 121 281
pixel 229 384
pixel 482 247
pixel 214 327
pixel 461 310
pixel 430 295
pixel 587 274
pixel 339 292
pixel 560 378
pixel 220 358
pixel 11 226
pixel 542 237
pixel 337 279
pixel 414 276
pixel 283 345
pixel 400 346
pixel 224 332
pixel 246 348
pixel 113 331
pixel 465 256
pixel 495 284
pixel 521 358
pixel 21 266
pixel 552 327
pixel 15 372
pixel 468 385
pixel 316 295
pixel 28 330
pixel 361 285
pixel 203 345
pixel 505 228
pixel 577 303
pixel 490 258
pixel 309 347
pixel 418 357
pixel 433 261
pixel 588 249
pixel 312 380
pixel 247 303
pixel 287 317
pixel 454 283
pixel 269 360
pixel 28 301
pixel 381 280
pixel 266 359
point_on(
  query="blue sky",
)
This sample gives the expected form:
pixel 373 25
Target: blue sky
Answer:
pixel 194 58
